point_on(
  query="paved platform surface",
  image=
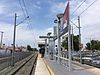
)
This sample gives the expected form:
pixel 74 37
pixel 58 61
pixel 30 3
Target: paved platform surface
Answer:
pixel 77 69
pixel 41 68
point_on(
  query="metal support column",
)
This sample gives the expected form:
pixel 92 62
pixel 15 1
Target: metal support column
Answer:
pixel 1 38
pixel 14 41
pixel 58 37
pixel 79 39
pixel 46 46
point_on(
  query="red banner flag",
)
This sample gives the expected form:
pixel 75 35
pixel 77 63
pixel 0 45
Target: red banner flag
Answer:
pixel 66 14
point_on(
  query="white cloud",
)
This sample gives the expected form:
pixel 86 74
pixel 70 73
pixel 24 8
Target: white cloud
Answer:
pixel 90 21
pixel 2 9
pixel 36 6
pixel 7 29
pixel 38 2
pixel 58 7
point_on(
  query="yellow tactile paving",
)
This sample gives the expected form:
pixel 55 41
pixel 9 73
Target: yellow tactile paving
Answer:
pixel 49 68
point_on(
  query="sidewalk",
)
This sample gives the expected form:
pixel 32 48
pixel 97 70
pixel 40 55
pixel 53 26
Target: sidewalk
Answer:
pixel 41 68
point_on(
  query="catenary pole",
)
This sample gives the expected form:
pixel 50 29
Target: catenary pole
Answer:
pixel 1 38
pixel 14 35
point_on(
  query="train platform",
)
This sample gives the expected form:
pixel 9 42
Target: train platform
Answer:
pixel 46 66
pixel 33 65
pixel 41 67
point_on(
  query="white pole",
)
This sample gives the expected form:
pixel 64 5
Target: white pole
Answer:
pixel 69 47
pixel 46 46
pixel 59 49
pixel 72 39
pixel 69 39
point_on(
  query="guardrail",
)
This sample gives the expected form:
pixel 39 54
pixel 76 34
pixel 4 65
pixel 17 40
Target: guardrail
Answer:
pixel 7 61
pixel 64 61
pixel 23 65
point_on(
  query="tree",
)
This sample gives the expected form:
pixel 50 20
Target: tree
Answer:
pixel 93 45
pixel 75 42
pixel 88 46
pixel 65 44
pixel 29 48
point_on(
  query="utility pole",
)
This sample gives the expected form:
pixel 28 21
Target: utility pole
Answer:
pixel 1 38
pixel 79 39
pixel 14 35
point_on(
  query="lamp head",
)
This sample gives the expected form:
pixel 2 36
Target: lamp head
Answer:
pixel 60 15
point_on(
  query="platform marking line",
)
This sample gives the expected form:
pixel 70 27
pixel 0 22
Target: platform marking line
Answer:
pixel 48 67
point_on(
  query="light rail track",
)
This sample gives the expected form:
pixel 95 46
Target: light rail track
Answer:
pixel 27 68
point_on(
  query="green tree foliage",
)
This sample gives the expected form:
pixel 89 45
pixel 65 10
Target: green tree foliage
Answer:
pixel 65 44
pixel 34 49
pixel 93 45
pixel 88 46
pixel 29 48
pixel 75 42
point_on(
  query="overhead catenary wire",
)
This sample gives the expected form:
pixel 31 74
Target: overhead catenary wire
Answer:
pixel 85 9
pixel 22 8
pixel 25 7
pixel 78 7
pixel 29 21
pixel 25 12
pixel 88 7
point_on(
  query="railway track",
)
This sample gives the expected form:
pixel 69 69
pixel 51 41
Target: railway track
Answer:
pixel 27 68
pixel 6 61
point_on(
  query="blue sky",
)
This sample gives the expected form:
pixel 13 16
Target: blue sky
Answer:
pixel 42 14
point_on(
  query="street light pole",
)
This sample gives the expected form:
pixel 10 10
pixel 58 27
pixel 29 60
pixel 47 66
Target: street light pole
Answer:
pixel 59 48
pixel 59 16
pixel 69 45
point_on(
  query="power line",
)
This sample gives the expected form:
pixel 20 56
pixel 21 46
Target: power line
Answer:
pixel 88 7
pixel 22 8
pixel 25 11
pixel 78 7
pixel 26 14
pixel 29 23
pixel 25 7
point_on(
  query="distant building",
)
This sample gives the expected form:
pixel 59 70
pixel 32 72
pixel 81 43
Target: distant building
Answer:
pixel 17 49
